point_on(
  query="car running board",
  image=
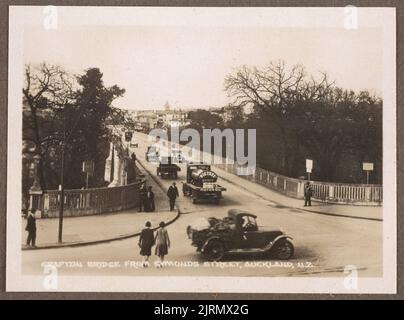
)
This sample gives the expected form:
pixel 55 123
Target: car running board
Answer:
pixel 248 250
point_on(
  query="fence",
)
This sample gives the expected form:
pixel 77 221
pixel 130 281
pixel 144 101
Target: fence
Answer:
pixel 357 194
pixel 90 201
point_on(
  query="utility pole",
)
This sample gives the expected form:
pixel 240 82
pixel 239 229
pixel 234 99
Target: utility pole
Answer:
pixel 62 171
pixel 62 194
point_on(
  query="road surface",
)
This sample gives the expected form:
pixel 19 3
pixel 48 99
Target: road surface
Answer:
pixel 324 245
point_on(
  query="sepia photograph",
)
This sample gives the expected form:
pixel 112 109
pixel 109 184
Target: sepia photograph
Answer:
pixel 173 149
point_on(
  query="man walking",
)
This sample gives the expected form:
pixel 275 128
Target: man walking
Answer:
pixel 31 228
pixel 150 200
pixel 172 194
pixel 308 192
pixel 142 197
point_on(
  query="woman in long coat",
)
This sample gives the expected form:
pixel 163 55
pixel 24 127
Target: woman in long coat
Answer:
pixel 162 243
pixel 146 242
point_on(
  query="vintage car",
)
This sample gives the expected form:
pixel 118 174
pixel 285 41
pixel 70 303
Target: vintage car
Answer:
pixel 238 233
pixel 167 169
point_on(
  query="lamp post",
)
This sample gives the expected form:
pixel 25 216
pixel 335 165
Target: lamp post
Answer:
pixel 62 194
pixel 35 191
pixel 64 142
pixel 36 185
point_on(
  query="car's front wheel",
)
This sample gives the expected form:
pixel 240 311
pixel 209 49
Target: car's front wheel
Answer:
pixel 283 250
pixel 214 251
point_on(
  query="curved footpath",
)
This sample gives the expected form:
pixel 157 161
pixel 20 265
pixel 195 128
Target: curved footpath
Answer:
pixel 96 229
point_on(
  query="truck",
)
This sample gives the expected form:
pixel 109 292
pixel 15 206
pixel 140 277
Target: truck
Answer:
pixel 201 183
pixel 167 169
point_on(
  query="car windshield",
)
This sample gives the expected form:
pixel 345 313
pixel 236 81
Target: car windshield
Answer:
pixel 248 223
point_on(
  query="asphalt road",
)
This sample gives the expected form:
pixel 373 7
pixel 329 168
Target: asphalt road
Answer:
pixel 324 245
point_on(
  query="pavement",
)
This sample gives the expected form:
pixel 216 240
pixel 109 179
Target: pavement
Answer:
pixel 95 229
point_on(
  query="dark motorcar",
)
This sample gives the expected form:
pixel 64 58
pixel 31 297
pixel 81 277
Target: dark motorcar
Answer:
pixel 167 169
pixel 238 233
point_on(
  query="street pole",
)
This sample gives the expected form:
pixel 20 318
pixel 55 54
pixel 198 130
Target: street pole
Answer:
pixel 367 177
pixel 62 195
pixel 62 169
pixel 87 180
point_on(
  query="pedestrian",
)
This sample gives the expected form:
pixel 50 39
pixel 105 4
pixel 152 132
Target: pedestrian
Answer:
pixel 142 197
pixel 31 228
pixel 133 156
pixel 162 243
pixel 151 206
pixel 146 242
pixel 172 194
pixel 308 192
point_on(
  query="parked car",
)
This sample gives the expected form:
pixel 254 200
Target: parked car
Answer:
pixel 238 233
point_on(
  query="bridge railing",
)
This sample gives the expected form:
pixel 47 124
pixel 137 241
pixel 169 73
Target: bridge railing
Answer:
pixel 358 194
pixel 83 202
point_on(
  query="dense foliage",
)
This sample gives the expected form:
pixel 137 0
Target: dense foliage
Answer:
pixel 62 110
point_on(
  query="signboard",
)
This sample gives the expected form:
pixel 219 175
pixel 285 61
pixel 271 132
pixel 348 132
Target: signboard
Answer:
pixel 88 167
pixel 309 165
pixel 367 166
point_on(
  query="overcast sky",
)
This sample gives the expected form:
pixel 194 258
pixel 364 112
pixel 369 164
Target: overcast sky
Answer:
pixel 186 66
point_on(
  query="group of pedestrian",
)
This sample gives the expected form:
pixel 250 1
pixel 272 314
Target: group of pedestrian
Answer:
pixel 148 239
pixel 146 202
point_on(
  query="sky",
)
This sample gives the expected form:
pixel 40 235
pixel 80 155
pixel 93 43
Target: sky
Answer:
pixel 186 66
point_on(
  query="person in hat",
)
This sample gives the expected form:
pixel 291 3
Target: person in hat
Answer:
pixel 172 194
pixel 31 228
pixel 162 241
pixel 308 192
pixel 146 242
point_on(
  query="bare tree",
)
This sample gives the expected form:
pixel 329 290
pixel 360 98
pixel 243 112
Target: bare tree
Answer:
pixel 47 90
pixel 277 92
